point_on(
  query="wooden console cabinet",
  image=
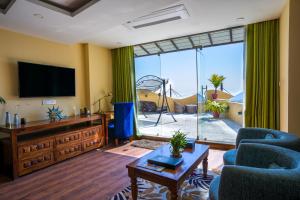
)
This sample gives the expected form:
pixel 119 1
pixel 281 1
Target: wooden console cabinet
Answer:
pixel 39 144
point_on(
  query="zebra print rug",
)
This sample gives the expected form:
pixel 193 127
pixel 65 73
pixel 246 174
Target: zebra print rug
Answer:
pixel 195 187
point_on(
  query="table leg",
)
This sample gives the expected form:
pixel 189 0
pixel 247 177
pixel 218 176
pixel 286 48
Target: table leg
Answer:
pixel 174 193
pixel 205 166
pixel 134 188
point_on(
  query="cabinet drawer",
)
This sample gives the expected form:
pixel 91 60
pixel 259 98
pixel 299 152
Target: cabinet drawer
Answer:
pixel 66 139
pixel 88 145
pixel 68 151
pixel 31 148
pixel 37 162
pixel 92 133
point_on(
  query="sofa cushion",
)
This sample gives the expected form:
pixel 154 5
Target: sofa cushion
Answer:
pixel 229 157
pixel 269 136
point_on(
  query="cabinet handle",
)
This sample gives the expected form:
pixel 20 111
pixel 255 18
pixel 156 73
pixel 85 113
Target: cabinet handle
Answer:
pixel 47 157
pixel 26 149
pixel 34 161
pixel 33 147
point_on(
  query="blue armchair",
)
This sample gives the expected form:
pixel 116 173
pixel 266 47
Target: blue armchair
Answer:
pixel 122 125
pixel 262 172
pixel 263 136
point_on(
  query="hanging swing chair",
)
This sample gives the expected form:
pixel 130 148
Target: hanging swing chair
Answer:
pixel 153 83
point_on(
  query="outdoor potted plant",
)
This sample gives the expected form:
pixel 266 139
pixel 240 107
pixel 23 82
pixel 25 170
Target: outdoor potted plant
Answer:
pixel 178 143
pixel 215 107
pixel 216 80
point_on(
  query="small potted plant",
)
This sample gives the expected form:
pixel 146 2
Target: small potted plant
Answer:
pixel 215 107
pixel 178 143
pixel 216 80
pixel 2 101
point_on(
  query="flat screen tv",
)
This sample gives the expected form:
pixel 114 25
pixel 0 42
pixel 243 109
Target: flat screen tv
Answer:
pixel 36 80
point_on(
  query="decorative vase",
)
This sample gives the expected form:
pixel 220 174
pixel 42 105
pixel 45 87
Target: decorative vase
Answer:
pixel 216 114
pixel 55 114
pixel 214 96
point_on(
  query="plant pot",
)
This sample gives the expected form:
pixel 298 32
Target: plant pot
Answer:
pixel 214 95
pixel 216 114
pixel 176 155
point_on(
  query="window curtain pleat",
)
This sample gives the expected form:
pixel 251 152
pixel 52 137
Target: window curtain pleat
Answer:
pixel 124 78
pixel 262 75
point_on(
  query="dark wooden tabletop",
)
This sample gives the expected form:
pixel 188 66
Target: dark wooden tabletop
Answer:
pixel 190 159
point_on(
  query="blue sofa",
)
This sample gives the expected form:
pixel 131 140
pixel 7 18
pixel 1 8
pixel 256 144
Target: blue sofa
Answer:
pixel 262 136
pixel 262 172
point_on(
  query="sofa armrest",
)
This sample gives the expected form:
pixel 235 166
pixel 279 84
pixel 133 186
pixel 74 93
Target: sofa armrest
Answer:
pixel 248 183
pixel 251 133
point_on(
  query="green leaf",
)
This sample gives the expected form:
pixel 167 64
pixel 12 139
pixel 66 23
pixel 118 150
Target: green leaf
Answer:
pixel 2 101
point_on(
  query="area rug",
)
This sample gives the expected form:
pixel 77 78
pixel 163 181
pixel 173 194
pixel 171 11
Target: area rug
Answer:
pixel 147 144
pixel 194 188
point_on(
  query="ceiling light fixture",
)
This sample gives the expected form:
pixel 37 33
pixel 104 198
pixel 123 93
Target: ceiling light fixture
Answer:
pixel 158 17
pixel 240 18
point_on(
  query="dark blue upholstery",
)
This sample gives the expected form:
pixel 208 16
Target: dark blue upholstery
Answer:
pixel 263 136
pixel 253 178
pixel 122 125
pixel 214 188
pixel 229 157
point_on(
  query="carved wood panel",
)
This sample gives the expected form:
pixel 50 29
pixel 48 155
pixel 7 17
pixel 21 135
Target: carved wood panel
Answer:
pixel 36 162
pixel 33 147
pixel 68 138
pixel 68 151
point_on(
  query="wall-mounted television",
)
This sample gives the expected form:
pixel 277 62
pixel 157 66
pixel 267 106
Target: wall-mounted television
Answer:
pixel 36 80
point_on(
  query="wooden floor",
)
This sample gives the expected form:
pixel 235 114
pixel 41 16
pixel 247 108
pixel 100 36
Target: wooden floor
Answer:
pixel 94 175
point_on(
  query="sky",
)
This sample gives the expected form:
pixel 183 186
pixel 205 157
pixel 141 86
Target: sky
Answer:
pixel 180 68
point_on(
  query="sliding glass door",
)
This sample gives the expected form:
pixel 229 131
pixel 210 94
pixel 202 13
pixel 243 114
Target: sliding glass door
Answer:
pixel 221 108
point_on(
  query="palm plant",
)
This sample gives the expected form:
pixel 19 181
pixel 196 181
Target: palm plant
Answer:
pixel 178 143
pixel 215 107
pixel 216 80
pixel 2 101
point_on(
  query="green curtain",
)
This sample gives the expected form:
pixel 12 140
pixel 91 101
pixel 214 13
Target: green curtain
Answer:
pixel 124 78
pixel 262 75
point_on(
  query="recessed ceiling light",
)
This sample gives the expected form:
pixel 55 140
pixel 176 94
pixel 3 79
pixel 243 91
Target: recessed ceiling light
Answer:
pixel 240 18
pixel 39 16
pixel 119 43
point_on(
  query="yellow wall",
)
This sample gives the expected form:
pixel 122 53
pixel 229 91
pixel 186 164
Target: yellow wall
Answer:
pixel 284 63
pixel 289 67
pixel 294 67
pixel 18 47
pixel 99 75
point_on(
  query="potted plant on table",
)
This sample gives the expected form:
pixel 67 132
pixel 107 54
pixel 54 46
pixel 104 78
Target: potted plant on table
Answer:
pixel 216 80
pixel 215 107
pixel 178 143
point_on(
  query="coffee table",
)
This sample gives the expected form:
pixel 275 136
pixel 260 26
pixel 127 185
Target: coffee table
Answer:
pixel 168 177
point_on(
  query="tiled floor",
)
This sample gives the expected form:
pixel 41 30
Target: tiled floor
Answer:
pixel 217 130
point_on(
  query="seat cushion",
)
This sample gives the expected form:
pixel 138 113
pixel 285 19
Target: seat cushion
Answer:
pixel 229 157
pixel 214 189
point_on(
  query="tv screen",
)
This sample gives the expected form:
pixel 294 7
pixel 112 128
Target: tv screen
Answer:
pixel 37 80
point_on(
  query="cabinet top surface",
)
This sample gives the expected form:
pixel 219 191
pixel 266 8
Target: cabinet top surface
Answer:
pixel 50 124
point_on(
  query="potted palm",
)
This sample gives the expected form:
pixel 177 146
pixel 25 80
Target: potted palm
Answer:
pixel 2 101
pixel 215 107
pixel 216 80
pixel 178 143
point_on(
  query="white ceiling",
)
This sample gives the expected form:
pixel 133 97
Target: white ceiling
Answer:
pixel 102 22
